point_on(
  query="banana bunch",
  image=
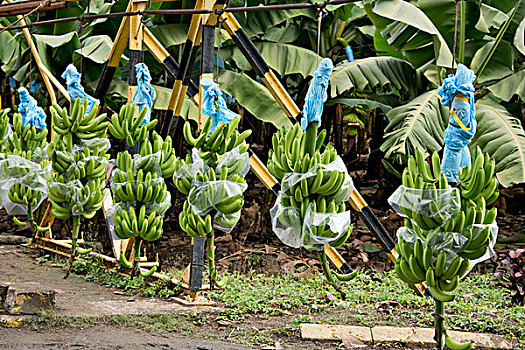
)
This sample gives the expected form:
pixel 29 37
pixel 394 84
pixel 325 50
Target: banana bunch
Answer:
pixel 86 165
pixel 212 146
pixel 4 127
pixel 72 198
pixel 193 224
pixel 145 224
pixel 127 124
pixel 477 180
pixel 289 148
pixel 167 153
pixel 26 138
pixel 131 185
pixel 323 206
pixel 76 125
pixel 419 263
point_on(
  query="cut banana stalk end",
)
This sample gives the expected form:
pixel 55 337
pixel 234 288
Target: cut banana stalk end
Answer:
pixel 81 251
pixel 124 261
pixel 148 273
pixel 18 222
pixel 222 282
pixel 453 345
pixel 345 277
pixel 43 229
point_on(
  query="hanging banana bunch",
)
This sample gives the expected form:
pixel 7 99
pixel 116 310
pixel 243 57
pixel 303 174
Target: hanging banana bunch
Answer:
pixel 140 194
pixel 447 229
pixel 24 172
pixel 314 188
pixel 78 154
pixel 213 179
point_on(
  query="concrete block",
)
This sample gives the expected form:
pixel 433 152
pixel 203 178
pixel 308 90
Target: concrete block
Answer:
pixel 28 298
pixel 334 332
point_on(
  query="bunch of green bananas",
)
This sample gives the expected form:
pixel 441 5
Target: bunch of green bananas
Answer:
pixel 4 128
pixel 132 185
pixel 26 138
pixel 477 180
pixel 78 152
pixel 71 197
pixel 129 224
pixel 76 125
pixel 424 259
pixel 22 143
pixel 127 124
pixel 213 145
pixel 289 148
pixel 326 191
pixel 167 153
pixel 212 197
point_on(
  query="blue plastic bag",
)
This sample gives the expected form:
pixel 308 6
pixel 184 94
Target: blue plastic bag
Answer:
pixel 349 54
pixel 12 83
pixel 458 91
pixel 145 93
pixel 316 95
pixel 34 86
pixel 31 113
pixel 214 106
pixel 75 90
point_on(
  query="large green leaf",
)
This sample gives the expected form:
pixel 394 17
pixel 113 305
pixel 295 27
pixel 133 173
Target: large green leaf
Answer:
pixel 510 86
pixel 501 63
pixel 57 40
pixel 384 75
pixel 519 38
pixel 96 48
pixel 283 58
pixel 352 102
pixel 254 97
pixel 170 34
pixel 418 124
pixel 259 22
pixel 409 14
pixel 502 136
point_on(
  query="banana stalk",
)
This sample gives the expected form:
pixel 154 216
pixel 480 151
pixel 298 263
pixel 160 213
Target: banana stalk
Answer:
pixel 328 274
pixel 438 323
pixel 311 137
pixel 74 237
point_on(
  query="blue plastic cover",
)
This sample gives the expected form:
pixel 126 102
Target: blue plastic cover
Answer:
pixel 12 82
pixel 75 90
pixel 30 111
pixel 214 106
pixel 316 95
pixel 458 91
pixel 34 86
pixel 145 93
pixel 349 54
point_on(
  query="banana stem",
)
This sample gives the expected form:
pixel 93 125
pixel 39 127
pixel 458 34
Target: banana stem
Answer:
pixel 136 256
pixel 439 324
pixel 210 251
pixel 328 273
pixel 31 219
pixel 311 137
pixel 74 237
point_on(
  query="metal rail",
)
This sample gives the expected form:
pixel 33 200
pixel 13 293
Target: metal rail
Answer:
pixel 186 12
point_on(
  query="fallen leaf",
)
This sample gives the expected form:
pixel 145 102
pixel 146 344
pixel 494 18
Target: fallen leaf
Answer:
pixel 330 296
pixel 352 342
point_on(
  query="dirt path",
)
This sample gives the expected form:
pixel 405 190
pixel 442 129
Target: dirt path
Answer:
pixel 76 296
pixel 104 338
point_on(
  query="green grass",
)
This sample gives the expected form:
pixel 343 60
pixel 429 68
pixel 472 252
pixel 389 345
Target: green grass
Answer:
pixel 485 307
pixel 298 299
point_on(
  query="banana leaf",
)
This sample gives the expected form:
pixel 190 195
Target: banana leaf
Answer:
pixel 418 124
pixel 285 59
pixel 383 75
pixel 502 136
pixel 512 85
pixel 254 97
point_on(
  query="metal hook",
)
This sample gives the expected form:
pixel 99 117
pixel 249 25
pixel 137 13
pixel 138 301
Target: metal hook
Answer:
pixel 143 18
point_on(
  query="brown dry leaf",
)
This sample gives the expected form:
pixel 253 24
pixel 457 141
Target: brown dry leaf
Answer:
pixel 330 296
pixel 270 249
pixel 352 342
pixel 387 304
